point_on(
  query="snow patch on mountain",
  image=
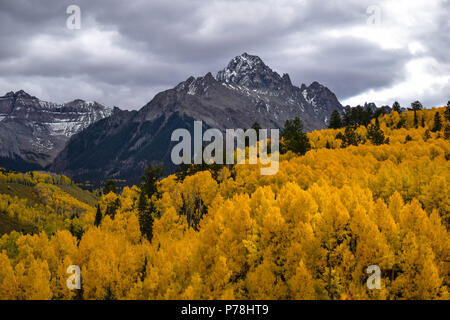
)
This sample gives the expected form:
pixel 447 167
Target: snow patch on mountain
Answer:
pixel 36 130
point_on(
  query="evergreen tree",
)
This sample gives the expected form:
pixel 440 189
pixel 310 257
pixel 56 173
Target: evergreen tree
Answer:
pixel 185 170
pixel 110 186
pixel 375 134
pixel 401 123
pixel 98 216
pixel 112 209
pixel 408 138
pixel 76 230
pixel 367 115
pixel 357 115
pixel 151 176
pixel 396 107
pixel 447 111
pixel 335 120
pixel 350 137
pixel 144 269
pixel 427 135
pixel 145 209
pixel 437 122
pixel 447 132
pixel 294 139
pixel 256 127
pixel 109 294
pixel 347 116
pixel 416 106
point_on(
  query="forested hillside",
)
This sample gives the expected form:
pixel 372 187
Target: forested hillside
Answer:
pixel 35 202
pixel 374 194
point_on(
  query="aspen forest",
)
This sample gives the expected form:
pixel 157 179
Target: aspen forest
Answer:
pixel 362 195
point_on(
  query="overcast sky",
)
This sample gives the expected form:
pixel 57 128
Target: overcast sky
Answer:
pixel 127 51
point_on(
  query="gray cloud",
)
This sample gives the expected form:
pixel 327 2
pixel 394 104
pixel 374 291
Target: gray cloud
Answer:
pixel 127 52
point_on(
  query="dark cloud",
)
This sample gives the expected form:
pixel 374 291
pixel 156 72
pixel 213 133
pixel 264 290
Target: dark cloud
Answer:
pixel 128 51
pixel 349 66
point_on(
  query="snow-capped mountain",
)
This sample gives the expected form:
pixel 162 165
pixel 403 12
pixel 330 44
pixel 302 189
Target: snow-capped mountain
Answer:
pixel 33 132
pixel 283 100
pixel 251 72
pixel 245 92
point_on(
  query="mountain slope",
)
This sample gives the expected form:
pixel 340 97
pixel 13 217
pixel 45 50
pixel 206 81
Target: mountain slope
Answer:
pixel 33 132
pixel 120 147
pixel 34 201
pixel 244 92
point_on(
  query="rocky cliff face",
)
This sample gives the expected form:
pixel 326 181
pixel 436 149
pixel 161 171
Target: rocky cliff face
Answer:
pixel 244 92
pixel 33 132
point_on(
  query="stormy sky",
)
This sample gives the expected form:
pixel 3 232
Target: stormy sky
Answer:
pixel 127 51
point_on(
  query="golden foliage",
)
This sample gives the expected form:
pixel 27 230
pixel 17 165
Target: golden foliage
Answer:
pixel 309 232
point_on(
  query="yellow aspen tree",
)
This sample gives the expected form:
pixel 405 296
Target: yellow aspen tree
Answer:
pixel 216 281
pixel 395 205
pixel 171 226
pixel 320 191
pixel 332 230
pixel 9 289
pixel 386 223
pixel 195 291
pixel 440 243
pixel 227 231
pixel 371 248
pixel 62 253
pixel 262 284
pixel 151 284
pixel 296 205
pixel 267 281
pixel 33 278
pixel 419 277
pixel 301 284
pixel 435 195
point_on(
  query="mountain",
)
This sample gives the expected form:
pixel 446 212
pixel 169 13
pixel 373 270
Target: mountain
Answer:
pixel 246 91
pixel 33 132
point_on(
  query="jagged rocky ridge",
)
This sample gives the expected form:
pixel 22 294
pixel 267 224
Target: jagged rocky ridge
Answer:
pixel 246 91
pixel 33 132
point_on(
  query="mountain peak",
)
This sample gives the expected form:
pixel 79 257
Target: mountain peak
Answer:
pixel 250 71
pixel 17 94
pixel 23 94
pixel 209 77
pixel 316 85
pixel 286 79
